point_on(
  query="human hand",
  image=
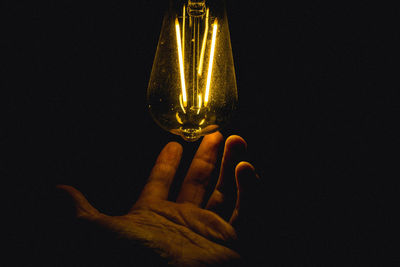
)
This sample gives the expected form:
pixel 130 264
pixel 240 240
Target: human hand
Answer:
pixel 184 232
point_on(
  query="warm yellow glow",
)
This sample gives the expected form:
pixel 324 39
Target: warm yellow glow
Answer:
pixel 210 63
pixel 181 103
pixel 178 40
pixel 202 121
pixel 203 46
pixel 183 33
pixel 178 118
pixel 199 103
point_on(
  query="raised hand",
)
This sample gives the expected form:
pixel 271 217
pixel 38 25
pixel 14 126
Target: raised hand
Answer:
pixel 184 232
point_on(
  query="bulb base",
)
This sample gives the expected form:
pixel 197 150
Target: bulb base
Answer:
pixel 190 135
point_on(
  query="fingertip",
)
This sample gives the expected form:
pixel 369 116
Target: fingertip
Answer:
pixel 60 186
pixel 236 138
pixel 212 141
pixel 245 167
pixel 245 174
pixel 216 137
pixel 66 188
pixel 218 133
pixel 171 153
pixel 75 194
pixel 236 142
pixel 174 147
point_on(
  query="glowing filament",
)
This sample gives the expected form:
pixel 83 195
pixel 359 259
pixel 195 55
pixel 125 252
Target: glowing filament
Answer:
pixel 210 63
pixel 203 46
pixel 178 40
pixel 183 33
pixel 181 103
pixel 199 103
pixel 199 100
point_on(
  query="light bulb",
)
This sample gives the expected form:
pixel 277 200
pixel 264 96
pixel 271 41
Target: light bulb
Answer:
pixel 192 89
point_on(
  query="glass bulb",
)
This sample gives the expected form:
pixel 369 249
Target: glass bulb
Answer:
pixel 192 89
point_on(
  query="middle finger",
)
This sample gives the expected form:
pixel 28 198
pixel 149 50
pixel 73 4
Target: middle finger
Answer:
pixel 199 173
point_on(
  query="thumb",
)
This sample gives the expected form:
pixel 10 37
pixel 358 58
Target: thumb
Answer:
pixel 83 208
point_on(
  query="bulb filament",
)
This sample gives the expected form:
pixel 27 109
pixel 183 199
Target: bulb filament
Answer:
pixel 203 46
pixel 210 63
pixel 183 100
pixel 180 57
pixel 183 34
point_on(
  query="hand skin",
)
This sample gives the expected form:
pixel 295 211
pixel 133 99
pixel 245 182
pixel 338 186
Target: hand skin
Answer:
pixel 183 232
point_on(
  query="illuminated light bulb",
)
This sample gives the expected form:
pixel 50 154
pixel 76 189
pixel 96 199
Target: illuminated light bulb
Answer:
pixel 192 89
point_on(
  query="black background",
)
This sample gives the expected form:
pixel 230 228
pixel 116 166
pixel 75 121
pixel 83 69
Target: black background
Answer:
pixel 319 105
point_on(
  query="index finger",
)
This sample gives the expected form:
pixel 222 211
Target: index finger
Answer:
pixel 163 172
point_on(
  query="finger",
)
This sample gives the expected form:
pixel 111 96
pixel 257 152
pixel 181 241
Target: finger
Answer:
pixel 222 200
pixel 83 208
pixel 195 183
pixel 163 172
pixel 247 184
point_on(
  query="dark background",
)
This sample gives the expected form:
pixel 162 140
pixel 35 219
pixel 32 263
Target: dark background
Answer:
pixel 319 105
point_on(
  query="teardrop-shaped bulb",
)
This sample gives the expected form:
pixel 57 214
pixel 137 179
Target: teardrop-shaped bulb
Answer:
pixel 192 88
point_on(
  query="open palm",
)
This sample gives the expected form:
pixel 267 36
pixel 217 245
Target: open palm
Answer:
pixel 184 232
